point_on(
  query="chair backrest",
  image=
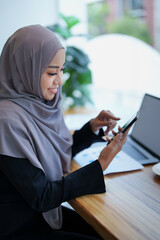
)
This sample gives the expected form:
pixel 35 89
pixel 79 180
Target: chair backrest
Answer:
pixel 121 61
pixel 124 65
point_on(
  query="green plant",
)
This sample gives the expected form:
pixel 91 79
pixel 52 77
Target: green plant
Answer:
pixel 77 76
pixel 131 26
pixel 97 18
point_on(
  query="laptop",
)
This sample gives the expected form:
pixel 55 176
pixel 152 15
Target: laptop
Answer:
pixel 143 144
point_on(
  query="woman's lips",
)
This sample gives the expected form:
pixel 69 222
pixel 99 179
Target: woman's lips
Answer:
pixel 52 90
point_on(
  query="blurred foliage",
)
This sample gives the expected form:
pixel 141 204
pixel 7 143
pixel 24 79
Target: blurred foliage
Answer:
pixel 98 23
pixel 77 76
pixel 97 18
pixel 131 26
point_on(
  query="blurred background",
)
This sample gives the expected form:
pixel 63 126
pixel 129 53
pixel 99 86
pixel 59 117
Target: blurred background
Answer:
pixel 112 50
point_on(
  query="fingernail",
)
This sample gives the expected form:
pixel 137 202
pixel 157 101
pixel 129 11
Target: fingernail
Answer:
pixel 121 134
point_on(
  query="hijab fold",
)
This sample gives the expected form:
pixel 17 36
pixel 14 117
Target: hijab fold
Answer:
pixel 31 127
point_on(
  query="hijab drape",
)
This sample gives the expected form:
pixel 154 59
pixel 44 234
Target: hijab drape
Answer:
pixel 31 127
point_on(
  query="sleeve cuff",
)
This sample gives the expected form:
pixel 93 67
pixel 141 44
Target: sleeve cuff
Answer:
pixel 86 180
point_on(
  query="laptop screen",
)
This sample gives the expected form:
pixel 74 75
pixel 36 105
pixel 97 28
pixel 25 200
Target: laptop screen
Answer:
pixel 146 130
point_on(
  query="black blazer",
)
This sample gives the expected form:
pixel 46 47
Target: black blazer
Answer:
pixel 25 191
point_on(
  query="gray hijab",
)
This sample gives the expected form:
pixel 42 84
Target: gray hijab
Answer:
pixel 30 127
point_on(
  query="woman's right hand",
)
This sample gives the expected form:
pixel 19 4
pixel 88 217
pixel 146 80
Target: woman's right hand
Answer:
pixel 110 151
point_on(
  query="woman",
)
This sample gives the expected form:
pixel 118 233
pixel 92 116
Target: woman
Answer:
pixel 36 147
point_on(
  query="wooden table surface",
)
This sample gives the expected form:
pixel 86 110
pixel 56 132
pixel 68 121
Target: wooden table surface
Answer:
pixel 130 208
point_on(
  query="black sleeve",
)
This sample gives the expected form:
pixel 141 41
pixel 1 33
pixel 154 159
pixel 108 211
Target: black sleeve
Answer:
pixel 84 137
pixel 40 193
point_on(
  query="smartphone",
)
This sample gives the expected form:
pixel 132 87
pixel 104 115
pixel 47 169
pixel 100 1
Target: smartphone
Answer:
pixel 128 124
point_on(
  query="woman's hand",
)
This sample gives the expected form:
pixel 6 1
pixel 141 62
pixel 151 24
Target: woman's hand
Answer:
pixel 105 118
pixel 111 150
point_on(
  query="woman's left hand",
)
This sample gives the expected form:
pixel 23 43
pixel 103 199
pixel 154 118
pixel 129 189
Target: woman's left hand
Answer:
pixel 104 118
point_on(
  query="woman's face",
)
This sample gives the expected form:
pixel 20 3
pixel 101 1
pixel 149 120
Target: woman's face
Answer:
pixel 52 76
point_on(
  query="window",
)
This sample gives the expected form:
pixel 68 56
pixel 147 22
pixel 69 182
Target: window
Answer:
pixel 135 7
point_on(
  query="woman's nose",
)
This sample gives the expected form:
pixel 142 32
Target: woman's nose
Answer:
pixel 58 79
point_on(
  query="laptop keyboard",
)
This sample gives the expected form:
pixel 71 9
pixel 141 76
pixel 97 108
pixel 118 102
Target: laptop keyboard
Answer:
pixel 133 152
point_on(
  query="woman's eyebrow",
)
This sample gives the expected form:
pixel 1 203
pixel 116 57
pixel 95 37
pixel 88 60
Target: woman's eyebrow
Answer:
pixel 51 66
pixel 54 66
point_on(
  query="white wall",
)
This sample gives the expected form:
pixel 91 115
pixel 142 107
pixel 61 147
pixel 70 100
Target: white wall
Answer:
pixel 18 13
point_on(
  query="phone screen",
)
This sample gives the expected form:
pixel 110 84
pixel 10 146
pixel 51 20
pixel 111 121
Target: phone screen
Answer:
pixel 128 124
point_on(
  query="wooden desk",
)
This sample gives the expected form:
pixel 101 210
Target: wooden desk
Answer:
pixel 130 208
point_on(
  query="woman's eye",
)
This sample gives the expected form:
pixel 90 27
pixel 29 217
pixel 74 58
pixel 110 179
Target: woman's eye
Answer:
pixel 52 74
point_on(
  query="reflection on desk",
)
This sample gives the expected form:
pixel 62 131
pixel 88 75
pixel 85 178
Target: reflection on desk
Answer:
pixel 130 208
